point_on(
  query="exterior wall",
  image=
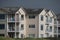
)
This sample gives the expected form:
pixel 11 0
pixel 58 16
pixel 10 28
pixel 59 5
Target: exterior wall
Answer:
pixel 26 31
pixel 32 21
pixel 58 26
pixel 44 32
pixel 3 21
pixel 52 24
pixel 22 22
pixel 42 22
pixel 58 29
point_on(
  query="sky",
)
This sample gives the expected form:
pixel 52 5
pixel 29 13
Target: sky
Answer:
pixel 48 4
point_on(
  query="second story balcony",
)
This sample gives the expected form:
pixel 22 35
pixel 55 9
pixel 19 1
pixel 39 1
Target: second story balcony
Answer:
pixel 13 18
pixel 48 29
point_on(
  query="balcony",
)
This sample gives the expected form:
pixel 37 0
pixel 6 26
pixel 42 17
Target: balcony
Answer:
pixel 58 31
pixel 55 31
pixel 11 19
pixel 11 29
pixel 48 30
pixel 11 26
pixel 47 22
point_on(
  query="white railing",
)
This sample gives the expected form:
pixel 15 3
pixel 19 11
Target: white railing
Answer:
pixel 55 31
pixel 11 29
pixel 11 19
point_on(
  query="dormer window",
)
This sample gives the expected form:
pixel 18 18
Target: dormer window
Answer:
pixel 22 17
pixel 50 19
pixel 41 17
pixel 46 18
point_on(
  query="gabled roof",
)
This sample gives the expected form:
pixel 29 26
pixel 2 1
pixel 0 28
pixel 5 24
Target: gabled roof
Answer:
pixel 47 10
pixel 32 11
pixel 27 10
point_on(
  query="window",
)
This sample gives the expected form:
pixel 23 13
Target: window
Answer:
pixel 50 28
pixel 2 16
pixel 32 35
pixel 41 17
pixel 32 26
pixel 31 16
pixel 22 26
pixel 50 19
pixel 22 17
pixel 41 27
pixel 1 34
pixel 46 18
pixel 2 26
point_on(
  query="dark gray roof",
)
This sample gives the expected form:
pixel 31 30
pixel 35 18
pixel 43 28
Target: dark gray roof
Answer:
pixel 29 10
pixel 47 10
pixel 9 9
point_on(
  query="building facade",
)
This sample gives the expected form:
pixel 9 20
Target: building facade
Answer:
pixel 23 22
pixel 57 26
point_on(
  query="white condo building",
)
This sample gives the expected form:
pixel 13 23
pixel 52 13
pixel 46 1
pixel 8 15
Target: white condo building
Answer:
pixel 26 22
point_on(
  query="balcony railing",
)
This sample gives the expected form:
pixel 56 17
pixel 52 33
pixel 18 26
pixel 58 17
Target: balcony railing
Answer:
pixel 11 29
pixel 48 31
pixel 58 31
pixel 55 22
pixel 11 19
pixel 55 31
pixel 47 23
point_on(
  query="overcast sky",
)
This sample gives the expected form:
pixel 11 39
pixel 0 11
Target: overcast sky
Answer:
pixel 48 4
